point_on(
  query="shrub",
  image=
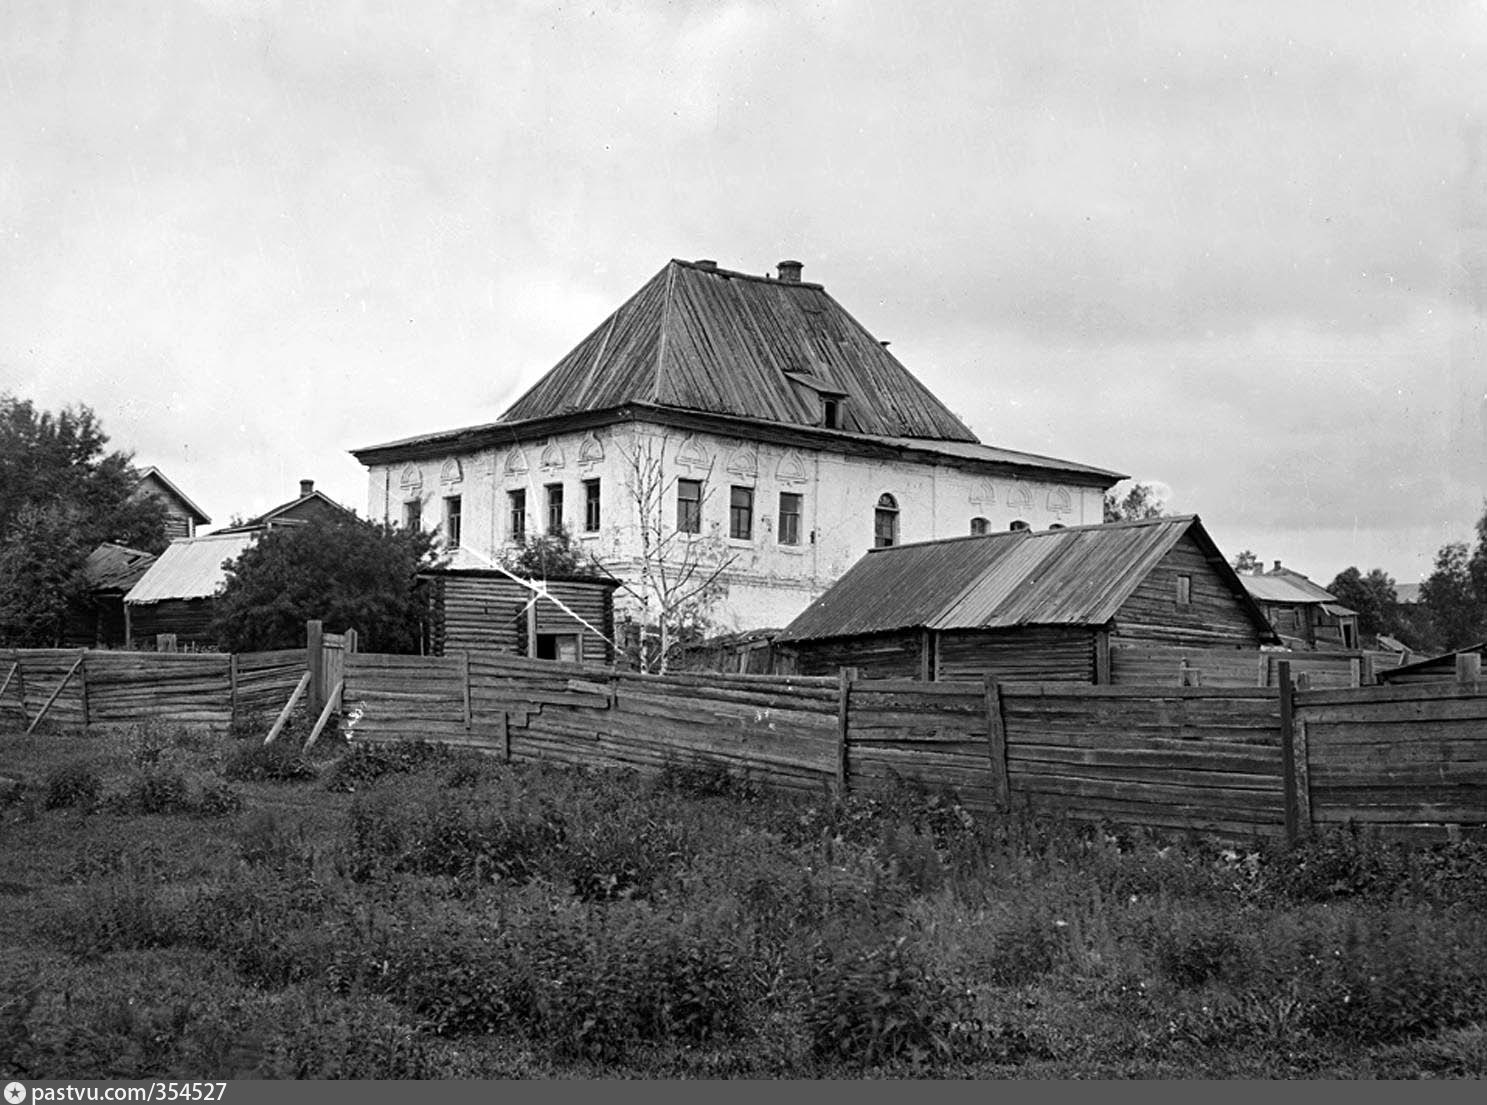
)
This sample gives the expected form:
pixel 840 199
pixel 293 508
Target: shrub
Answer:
pixel 252 761
pixel 156 790
pixel 218 799
pixel 72 784
pixel 364 764
pixel 881 1004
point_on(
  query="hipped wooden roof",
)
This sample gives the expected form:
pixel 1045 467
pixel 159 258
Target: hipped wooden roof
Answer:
pixel 708 339
pixel 1075 576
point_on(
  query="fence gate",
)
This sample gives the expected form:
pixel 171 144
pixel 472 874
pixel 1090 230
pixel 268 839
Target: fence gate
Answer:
pixel 327 659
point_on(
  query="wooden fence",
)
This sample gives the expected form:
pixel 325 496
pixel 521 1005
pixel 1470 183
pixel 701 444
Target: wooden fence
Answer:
pixel 78 688
pixel 1235 761
pixel 1174 666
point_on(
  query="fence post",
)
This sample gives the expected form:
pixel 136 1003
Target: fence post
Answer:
pixel 232 688
pixel 465 678
pixel 845 678
pixel 996 737
pixel 315 663
pixel 353 642
pixel 1288 749
pixel 82 679
pixel 1468 667
pixel 1366 677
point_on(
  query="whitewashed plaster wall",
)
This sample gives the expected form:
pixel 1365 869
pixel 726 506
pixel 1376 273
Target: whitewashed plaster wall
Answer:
pixel 768 583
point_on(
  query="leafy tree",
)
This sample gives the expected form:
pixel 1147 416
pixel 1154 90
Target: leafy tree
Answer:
pixel 62 493
pixel 1139 502
pixel 349 573
pixel 1246 561
pixel 550 554
pixel 1450 594
pixel 1372 596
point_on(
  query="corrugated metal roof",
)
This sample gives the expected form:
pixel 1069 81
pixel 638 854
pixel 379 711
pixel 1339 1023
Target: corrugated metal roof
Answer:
pixel 1285 588
pixel 1075 576
pixel 190 569
pixel 707 339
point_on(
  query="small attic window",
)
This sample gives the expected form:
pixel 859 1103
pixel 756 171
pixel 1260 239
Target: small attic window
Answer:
pixel 1184 590
pixel 831 412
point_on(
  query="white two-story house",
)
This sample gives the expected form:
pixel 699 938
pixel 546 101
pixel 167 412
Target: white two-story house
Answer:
pixel 748 422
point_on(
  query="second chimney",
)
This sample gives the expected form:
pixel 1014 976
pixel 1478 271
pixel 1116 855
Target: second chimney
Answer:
pixel 790 271
pixel 306 487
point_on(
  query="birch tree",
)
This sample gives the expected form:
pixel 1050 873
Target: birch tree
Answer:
pixel 680 575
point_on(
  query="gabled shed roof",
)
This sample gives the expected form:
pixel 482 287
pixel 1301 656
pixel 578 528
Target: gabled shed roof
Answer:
pixel 153 474
pixel 1075 576
pixel 112 567
pixel 190 569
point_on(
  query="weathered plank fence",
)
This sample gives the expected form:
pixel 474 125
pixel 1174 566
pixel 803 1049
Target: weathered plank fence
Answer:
pixel 78 688
pixel 1241 762
pixel 1174 666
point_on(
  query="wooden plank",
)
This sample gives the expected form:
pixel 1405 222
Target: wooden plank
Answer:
pixel 283 719
pixel 465 680
pixel 15 667
pixel 48 704
pixel 1249 762
pixel 332 704
pixel 996 746
pixel 1288 750
pixel 843 732
pixel 1023 690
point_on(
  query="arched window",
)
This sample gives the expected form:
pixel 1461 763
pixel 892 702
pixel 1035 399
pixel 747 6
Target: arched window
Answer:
pixel 885 522
pixel 980 527
pixel 1019 526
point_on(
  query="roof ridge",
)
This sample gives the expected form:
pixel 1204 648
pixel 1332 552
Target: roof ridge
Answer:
pixel 665 326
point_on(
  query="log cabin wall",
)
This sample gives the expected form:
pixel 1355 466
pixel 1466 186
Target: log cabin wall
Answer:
pixel 1214 615
pixel 1033 653
pixel 189 619
pixel 876 656
pixel 480 614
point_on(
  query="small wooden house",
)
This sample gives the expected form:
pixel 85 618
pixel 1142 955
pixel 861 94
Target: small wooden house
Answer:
pixel 310 506
pixel 1306 616
pixel 486 610
pixel 1448 668
pixel 182 516
pixel 1029 605
pixel 176 594
pixel 96 618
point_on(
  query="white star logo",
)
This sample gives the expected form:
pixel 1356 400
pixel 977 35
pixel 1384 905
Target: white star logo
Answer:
pixel 15 1093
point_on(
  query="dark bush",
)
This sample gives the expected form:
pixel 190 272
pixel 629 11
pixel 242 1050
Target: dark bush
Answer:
pixel 72 784
pixel 155 790
pixel 881 1004
pixel 252 761
pixel 365 763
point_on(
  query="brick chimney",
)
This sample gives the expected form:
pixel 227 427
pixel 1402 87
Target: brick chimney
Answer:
pixel 1277 567
pixel 790 271
pixel 306 487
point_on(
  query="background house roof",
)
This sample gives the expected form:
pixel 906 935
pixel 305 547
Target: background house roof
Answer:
pixel 708 339
pixel 310 504
pixel 112 567
pixel 1286 588
pixel 154 475
pixel 1075 576
pixel 190 569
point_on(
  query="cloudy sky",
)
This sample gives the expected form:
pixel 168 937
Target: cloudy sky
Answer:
pixel 1239 249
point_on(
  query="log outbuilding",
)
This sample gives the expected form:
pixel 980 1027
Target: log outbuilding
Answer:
pixel 1032 605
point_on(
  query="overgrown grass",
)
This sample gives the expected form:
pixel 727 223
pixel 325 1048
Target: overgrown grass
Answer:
pixel 188 907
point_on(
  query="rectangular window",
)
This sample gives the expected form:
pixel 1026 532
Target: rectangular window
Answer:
pixel 830 414
pixel 452 521
pixel 558 646
pixel 741 514
pixel 591 506
pixel 1184 590
pixel 412 514
pixel 554 508
pixel 689 506
pixel 789 532
pixel 517 501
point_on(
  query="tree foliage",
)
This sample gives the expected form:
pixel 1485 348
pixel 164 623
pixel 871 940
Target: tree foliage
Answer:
pixel 1372 596
pixel 62 493
pixel 548 555
pixel 348 573
pixel 1137 503
pixel 1246 561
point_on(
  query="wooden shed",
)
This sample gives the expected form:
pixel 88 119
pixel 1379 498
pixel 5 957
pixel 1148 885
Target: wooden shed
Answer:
pixel 177 593
pixel 95 619
pixel 1448 668
pixel 486 610
pixel 1306 616
pixel 1045 605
